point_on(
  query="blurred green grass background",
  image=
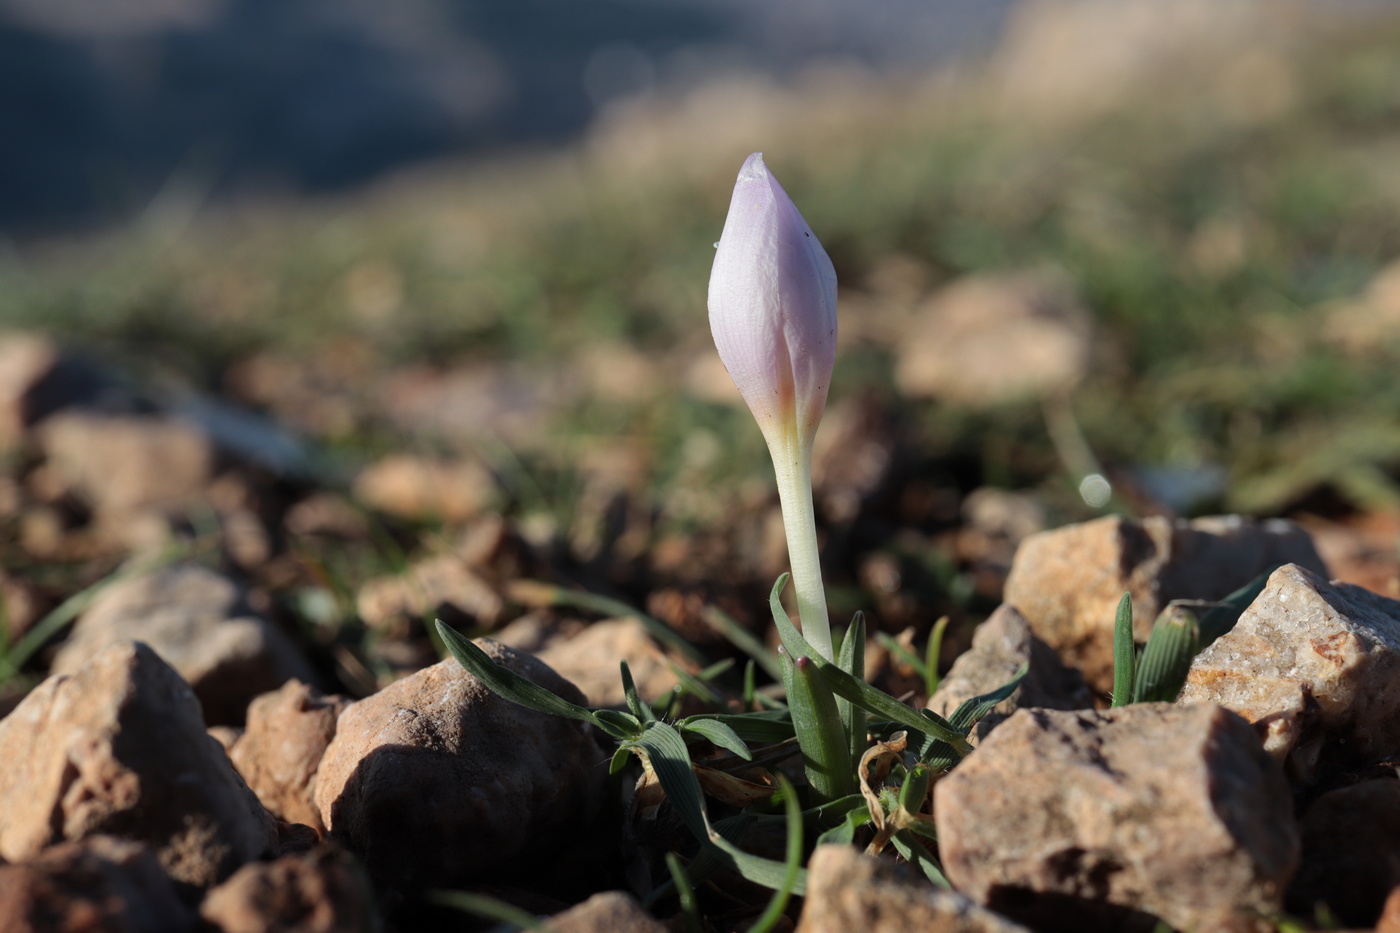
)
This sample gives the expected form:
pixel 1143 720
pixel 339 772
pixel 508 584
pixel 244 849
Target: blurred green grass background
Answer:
pixel 1219 190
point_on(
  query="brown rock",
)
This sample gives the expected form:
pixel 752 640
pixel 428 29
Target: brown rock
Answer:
pixel 37 379
pixel 435 778
pixel 1389 921
pixel 198 621
pixel 98 884
pixel 590 661
pixel 288 731
pixel 608 912
pixel 1000 647
pixel 1067 582
pixel 981 341
pixel 1097 820
pixel 119 747
pixel 848 891
pixel 1351 853
pixel 1313 665
pixel 441 585
pixel 425 490
pixel 126 463
pixel 316 892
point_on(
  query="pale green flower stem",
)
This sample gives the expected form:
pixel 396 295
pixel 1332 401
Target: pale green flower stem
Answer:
pixel 792 464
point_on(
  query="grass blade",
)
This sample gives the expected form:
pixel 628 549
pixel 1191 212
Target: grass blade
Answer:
pixel 511 686
pixel 826 755
pixel 850 657
pixel 1221 618
pixel 717 732
pixel 685 892
pixel 744 640
pixel 1168 655
pixel 858 691
pixel 778 904
pixel 1124 652
pixel 491 909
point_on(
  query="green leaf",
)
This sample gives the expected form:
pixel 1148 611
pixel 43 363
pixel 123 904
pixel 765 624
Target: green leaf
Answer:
pixel 850 657
pixel 826 754
pixel 932 654
pixel 1167 657
pixel 718 733
pixel 915 853
pixel 511 686
pixel 793 861
pixel 971 710
pixel 858 691
pixel 844 832
pixel 1124 652
pixel 634 700
pixel 670 759
pixel 766 727
pixel 491 909
pixel 685 892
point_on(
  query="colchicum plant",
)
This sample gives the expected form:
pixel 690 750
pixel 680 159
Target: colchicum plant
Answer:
pixel 869 760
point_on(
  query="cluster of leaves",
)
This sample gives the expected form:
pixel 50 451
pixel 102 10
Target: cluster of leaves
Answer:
pixel 871 762
pixel 1184 628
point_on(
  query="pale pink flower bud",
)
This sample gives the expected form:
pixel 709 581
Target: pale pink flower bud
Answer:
pixel 773 308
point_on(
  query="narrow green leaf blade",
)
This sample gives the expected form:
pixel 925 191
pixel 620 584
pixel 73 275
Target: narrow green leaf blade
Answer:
pixel 857 691
pixel 826 754
pixel 766 727
pixel 1124 652
pixel 850 657
pixel 510 685
pixel 718 733
pixel 793 861
pixel 670 759
pixel 1167 657
pixel 915 853
pixel 634 699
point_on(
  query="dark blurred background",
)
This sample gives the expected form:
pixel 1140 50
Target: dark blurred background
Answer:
pixel 103 104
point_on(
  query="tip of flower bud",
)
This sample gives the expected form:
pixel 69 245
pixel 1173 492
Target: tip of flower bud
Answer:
pixel 803 664
pixel 753 167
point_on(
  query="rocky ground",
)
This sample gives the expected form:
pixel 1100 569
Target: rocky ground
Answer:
pixel 223 709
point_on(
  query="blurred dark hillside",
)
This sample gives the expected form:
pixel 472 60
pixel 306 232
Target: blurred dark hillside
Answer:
pixel 104 105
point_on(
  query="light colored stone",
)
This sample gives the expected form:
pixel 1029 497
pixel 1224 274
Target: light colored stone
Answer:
pixel 1088 820
pixel 1067 582
pixel 320 891
pixel 198 621
pixel 127 463
pixel 1351 852
pixel 608 912
pixel 985 340
pixel 848 892
pixel 1314 666
pixel 1000 647
pixel 118 747
pixel 279 752
pixel 425 490
pixel 441 585
pixel 590 659
pixel 97 884
pixel 435 779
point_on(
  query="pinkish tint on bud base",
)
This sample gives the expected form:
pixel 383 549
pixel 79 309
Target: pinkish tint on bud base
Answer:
pixel 773 316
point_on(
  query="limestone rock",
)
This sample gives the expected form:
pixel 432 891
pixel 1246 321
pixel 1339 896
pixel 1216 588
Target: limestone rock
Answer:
pixel 1351 853
pixel 119 747
pixel 590 659
pixel 1314 666
pixel 849 891
pixel 37 379
pixel 608 912
pixel 1000 647
pixel 100 883
pixel 1098 820
pixel 316 892
pixel 198 622
pixel 127 463
pixel 279 752
pixel 1067 582
pixel 435 778
pixel 425 490
pixel 442 585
